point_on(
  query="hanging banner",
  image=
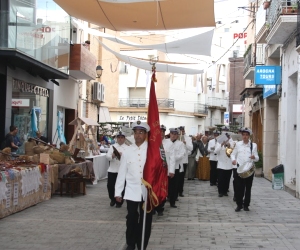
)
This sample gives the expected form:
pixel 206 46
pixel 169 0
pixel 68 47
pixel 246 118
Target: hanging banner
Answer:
pixel 60 123
pixel 226 118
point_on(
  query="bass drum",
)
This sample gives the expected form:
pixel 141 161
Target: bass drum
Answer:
pixel 246 170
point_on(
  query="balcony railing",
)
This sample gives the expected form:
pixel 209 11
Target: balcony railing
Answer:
pixel 281 7
pixel 217 102
pixel 142 103
pixel 200 108
pixel 252 59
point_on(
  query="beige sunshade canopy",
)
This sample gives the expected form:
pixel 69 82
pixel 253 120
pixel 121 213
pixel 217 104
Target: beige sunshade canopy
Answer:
pixel 148 15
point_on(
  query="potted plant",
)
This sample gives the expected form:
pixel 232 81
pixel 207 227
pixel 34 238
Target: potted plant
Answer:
pixel 266 4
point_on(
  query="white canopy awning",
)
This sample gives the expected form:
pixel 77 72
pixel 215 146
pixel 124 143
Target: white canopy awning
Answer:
pixel 143 15
pixel 104 115
pixel 160 67
pixel 196 45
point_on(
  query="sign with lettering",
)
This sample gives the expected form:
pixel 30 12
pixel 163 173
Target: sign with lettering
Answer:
pixel 239 35
pixel 269 90
pixel 20 102
pixel 30 88
pixel 132 118
pixel 267 75
pixel 226 118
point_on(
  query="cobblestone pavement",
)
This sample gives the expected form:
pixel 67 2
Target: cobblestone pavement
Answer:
pixel 201 221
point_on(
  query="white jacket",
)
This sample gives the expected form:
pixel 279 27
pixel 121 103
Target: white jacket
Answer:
pixel 114 162
pixel 177 152
pixel 131 170
pixel 242 152
pixel 212 155
pixel 224 162
pixel 188 146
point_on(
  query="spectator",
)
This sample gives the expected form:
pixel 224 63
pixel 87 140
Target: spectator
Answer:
pixel 9 138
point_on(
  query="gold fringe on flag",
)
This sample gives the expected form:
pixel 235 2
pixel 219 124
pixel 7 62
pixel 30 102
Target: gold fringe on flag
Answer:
pixel 152 198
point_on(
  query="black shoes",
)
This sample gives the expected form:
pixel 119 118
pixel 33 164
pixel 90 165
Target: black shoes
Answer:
pixel 238 209
pixel 225 194
pixel 181 195
pixel 246 209
pixel 174 206
pixel 160 213
pixel 234 199
pixel 220 195
pixel 118 206
pixel 112 203
pixel 130 248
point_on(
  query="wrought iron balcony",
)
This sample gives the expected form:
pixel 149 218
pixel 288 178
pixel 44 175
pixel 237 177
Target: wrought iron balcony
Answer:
pixel 200 109
pixel 255 55
pixel 282 20
pixel 142 103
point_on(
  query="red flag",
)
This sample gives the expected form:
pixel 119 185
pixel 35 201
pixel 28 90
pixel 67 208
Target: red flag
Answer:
pixel 155 170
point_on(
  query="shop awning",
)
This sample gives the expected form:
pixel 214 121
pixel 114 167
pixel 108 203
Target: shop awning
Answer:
pixel 104 115
pixel 143 15
pixel 250 93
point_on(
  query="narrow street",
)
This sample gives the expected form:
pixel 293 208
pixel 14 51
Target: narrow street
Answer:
pixel 201 221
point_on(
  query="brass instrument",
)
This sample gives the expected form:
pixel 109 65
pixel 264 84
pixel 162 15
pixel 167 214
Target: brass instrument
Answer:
pixel 229 150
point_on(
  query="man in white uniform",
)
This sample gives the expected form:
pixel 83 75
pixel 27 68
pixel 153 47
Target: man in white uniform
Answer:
pixel 244 151
pixel 177 151
pixel 188 147
pixel 224 166
pixel 114 164
pixel 213 159
pixel 131 170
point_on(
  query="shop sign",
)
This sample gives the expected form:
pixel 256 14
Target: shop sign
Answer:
pixel 20 102
pixel 30 88
pixel 237 108
pixel 269 90
pixel 132 118
pixel 267 75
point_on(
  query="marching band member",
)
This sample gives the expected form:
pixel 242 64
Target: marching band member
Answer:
pixel 224 166
pixel 114 164
pixel 177 151
pixel 188 146
pixel 244 152
pixel 213 159
pixel 131 171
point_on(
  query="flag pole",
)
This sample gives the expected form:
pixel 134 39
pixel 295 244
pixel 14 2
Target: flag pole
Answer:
pixel 153 61
pixel 144 220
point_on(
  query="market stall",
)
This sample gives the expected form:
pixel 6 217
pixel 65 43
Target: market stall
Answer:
pixel 100 166
pixel 23 185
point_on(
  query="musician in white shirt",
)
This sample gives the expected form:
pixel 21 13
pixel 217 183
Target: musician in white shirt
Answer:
pixel 244 151
pixel 213 159
pixel 114 164
pixel 177 151
pixel 131 170
pixel 224 166
pixel 188 146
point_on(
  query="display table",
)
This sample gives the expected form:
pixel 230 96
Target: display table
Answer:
pixel 73 185
pixel 100 166
pixel 23 189
pixel 86 168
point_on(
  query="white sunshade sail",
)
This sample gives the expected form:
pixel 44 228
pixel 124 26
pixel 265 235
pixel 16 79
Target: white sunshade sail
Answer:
pixel 143 15
pixel 196 45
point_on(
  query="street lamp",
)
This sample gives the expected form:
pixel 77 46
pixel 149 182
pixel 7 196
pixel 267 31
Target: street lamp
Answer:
pixel 99 71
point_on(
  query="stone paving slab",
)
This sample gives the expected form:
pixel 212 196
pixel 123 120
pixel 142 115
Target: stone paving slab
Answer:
pixel 201 221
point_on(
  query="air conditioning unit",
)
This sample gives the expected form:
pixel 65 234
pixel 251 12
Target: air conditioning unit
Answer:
pixel 97 88
pixel 102 94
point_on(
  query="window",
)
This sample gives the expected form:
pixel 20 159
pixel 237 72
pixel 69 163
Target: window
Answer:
pixel 226 29
pixel 123 68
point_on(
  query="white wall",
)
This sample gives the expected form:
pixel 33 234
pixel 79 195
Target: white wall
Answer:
pixel 289 113
pixel 65 96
